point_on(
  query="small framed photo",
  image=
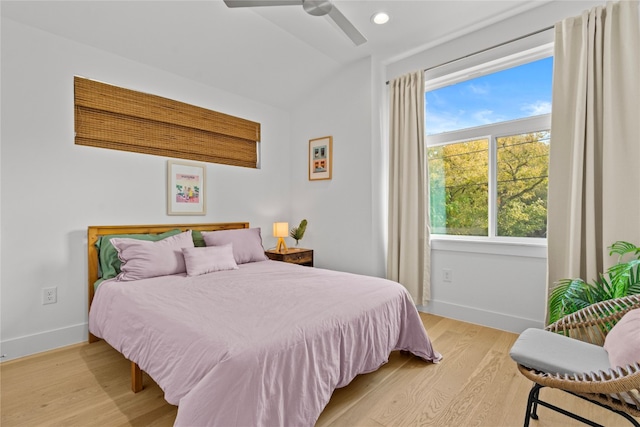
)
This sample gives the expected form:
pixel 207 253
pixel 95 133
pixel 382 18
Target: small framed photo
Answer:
pixel 185 188
pixel 320 158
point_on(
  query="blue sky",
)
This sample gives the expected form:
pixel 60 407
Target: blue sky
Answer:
pixel 517 92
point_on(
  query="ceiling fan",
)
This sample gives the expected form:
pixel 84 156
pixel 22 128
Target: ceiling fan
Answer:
pixel 312 7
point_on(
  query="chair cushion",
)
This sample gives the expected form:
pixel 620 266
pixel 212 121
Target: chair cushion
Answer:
pixel 556 354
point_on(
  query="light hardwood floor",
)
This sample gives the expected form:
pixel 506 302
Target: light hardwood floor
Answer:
pixel 476 384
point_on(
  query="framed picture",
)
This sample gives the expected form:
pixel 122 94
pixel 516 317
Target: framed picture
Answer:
pixel 185 188
pixel 320 158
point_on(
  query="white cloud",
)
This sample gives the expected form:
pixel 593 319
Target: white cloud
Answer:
pixel 448 121
pixel 439 123
pixel 479 89
pixel 485 117
pixel 537 108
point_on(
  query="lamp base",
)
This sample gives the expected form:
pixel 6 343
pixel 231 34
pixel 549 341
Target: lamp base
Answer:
pixel 281 246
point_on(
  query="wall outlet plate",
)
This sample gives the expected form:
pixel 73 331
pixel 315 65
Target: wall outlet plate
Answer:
pixel 49 295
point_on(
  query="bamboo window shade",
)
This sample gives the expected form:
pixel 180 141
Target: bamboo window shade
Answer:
pixel 112 117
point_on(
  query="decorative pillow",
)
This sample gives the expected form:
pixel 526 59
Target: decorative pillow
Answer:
pixel 246 242
pixel 108 256
pixel 623 340
pixel 207 260
pixel 143 259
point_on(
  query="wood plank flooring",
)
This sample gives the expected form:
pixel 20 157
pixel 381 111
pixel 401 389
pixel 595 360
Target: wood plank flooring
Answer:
pixel 476 384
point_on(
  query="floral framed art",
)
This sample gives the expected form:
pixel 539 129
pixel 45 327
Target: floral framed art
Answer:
pixel 185 188
pixel 320 158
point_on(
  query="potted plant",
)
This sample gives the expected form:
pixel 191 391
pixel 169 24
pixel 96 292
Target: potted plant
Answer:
pixel 621 279
pixel 298 232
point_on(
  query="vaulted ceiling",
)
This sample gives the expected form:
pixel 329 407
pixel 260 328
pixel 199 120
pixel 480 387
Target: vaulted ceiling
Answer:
pixel 273 55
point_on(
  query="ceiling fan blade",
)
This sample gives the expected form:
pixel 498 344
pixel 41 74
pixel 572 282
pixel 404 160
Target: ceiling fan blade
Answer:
pixel 352 32
pixel 258 3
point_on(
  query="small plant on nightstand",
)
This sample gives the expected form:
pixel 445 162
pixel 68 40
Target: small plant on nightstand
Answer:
pixel 297 232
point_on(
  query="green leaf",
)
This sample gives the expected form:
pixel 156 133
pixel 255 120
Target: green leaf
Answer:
pixel 298 232
pixel 622 248
pixel 621 279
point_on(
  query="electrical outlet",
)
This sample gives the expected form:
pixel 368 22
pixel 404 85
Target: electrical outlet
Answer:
pixel 49 295
pixel 447 275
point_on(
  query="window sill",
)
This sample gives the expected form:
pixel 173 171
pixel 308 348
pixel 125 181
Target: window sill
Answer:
pixel 535 249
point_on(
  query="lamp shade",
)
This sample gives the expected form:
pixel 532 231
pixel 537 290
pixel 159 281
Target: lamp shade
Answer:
pixel 280 229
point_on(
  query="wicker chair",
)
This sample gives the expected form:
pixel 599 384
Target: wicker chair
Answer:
pixel 617 390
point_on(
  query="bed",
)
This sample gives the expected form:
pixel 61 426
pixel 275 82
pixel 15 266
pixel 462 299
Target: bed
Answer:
pixel 263 344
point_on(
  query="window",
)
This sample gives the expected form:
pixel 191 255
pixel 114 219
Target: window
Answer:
pixel 488 149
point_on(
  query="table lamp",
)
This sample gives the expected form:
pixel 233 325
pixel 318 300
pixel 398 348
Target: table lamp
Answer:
pixel 281 230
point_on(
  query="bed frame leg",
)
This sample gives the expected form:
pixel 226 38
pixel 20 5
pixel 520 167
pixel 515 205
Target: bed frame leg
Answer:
pixel 136 378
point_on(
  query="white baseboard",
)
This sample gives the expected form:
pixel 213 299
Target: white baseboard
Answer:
pixel 478 316
pixel 43 341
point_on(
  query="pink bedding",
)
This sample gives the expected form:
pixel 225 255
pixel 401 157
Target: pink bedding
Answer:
pixel 264 345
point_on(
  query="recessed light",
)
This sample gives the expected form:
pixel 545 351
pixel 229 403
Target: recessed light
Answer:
pixel 380 18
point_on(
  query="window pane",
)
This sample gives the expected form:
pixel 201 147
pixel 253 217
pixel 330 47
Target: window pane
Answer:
pixel 514 93
pixel 523 168
pixel 458 185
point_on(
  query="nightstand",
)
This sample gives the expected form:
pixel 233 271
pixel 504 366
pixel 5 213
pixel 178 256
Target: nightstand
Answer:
pixel 293 255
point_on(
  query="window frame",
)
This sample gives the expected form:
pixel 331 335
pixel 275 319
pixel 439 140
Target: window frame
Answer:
pixel 528 246
pixel 492 132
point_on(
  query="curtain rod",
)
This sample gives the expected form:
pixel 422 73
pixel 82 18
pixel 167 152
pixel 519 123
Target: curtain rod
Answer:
pixel 488 48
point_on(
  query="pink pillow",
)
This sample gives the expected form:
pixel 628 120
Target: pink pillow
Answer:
pixel 143 259
pixel 209 259
pixel 623 340
pixel 247 243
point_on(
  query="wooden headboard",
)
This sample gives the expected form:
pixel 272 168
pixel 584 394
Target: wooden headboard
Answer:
pixel 94 232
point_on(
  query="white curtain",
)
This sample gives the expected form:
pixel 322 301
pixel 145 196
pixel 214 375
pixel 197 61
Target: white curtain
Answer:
pixel 594 163
pixel 408 257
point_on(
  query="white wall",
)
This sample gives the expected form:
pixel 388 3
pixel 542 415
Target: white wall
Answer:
pixel 343 222
pixel 497 286
pixel 52 189
pixel 494 285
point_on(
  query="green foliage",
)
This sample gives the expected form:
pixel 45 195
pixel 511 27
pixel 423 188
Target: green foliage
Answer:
pixel 621 279
pixel 523 169
pixel 298 232
pixel 459 182
pixel 459 197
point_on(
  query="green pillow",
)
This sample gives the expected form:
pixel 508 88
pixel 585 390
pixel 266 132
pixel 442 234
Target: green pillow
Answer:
pixel 108 256
pixel 198 240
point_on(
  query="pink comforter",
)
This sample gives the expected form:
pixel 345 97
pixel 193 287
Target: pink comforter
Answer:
pixel 265 345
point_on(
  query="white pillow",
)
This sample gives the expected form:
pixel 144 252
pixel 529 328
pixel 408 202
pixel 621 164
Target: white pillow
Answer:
pixel 247 243
pixel 209 259
pixel 142 259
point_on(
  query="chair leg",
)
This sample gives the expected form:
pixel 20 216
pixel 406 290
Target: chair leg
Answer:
pixel 534 413
pixel 532 404
pixel 534 400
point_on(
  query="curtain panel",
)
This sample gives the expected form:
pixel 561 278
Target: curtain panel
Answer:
pixel 594 173
pixel 408 255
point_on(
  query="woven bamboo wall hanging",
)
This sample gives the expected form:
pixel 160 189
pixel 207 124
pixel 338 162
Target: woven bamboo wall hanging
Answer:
pixel 108 116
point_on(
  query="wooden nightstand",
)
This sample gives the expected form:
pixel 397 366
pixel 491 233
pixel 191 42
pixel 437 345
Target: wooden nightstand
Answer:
pixel 293 255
